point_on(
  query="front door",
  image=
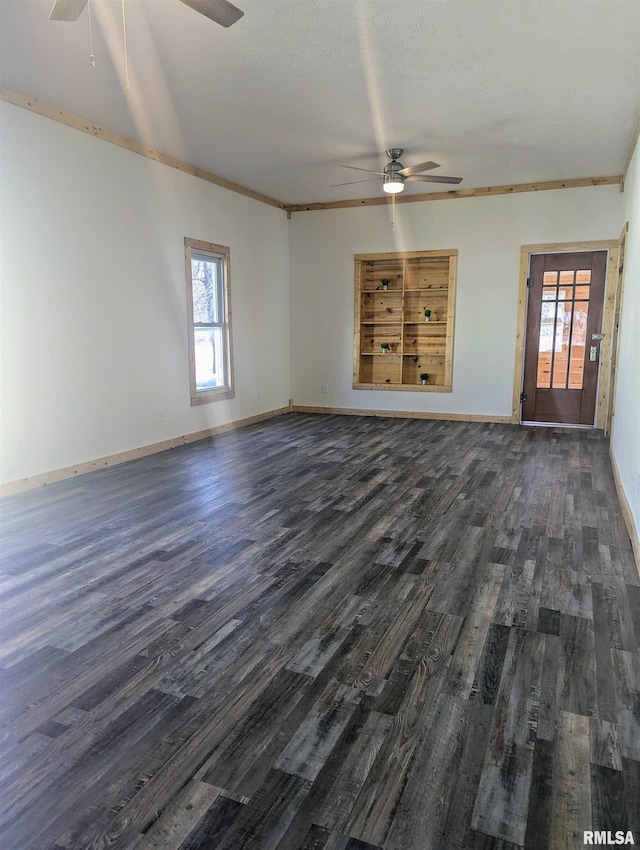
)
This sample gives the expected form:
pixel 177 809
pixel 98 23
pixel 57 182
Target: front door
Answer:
pixel 562 349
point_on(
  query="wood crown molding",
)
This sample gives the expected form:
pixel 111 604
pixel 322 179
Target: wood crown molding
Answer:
pixel 47 110
pixel 76 122
pixel 484 192
pixel 632 150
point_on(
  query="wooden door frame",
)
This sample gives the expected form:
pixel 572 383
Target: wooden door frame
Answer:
pixel 612 246
pixel 622 244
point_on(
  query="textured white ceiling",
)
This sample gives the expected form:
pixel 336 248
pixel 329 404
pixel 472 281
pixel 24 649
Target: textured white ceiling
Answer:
pixel 496 91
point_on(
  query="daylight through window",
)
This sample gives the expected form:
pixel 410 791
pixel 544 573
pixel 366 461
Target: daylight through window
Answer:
pixel 208 304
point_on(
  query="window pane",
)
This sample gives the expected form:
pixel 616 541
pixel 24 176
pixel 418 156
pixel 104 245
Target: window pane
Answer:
pixel 207 289
pixel 566 278
pixel 583 276
pixel 582 293
pixel 550 279
pixel 209 358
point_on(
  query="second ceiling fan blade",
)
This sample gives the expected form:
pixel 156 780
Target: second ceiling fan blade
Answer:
pixel 67 10
pixel 368 170
pixel 220 11
pixel 433 178
pixel 420 166
pixel 350 182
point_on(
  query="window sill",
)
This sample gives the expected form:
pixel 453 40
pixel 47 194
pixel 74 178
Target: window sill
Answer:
pixel 212 395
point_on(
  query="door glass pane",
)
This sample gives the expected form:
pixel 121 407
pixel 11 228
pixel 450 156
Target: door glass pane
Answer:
pixel 561 347
pixel 578 345
pixel 209 358
pixel 545 347
pixel 563 330
pixel 550 279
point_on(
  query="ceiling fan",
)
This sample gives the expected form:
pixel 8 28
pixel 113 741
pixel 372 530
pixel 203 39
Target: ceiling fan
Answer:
pixel 395 174
pixel 220 11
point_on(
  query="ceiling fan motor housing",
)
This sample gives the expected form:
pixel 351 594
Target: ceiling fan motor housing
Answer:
pixel 392 169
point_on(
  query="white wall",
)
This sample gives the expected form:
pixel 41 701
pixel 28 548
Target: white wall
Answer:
pixel 625 432
pixel 93 305
pixel 488 233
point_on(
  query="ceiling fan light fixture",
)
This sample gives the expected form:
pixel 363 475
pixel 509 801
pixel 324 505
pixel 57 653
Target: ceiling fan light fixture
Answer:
pixel 393 183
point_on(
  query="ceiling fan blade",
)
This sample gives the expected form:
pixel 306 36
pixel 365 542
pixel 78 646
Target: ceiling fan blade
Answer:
pixel 433 178
pixel 350 182
pixel 220 11
pixel 368 170
pixel 67 10
pixel 420 166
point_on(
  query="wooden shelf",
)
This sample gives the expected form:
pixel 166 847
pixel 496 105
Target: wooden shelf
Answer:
pixel 418 280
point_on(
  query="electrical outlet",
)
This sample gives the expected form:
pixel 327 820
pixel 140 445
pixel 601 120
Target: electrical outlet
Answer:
pixel 161 416
pixel 19 447
pixel 325 388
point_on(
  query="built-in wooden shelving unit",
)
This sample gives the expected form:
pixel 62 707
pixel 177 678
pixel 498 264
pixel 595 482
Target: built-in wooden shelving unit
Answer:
pixel 392 292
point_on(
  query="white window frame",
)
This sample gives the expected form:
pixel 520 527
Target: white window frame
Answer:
pixel 222 254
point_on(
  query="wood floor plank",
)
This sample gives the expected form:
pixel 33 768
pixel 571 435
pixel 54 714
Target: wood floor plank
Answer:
pixel 308 750
pixel 571 791
pixel 372 813
pixel 171 830
pixel 502 802
pixel 608 800
pixel 436 805
pixel 315 633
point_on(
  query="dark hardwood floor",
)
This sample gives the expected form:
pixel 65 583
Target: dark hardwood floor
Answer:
pixel 324 632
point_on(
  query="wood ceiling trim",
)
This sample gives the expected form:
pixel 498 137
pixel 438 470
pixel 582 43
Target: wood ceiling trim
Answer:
pixel 47 110
pixel 465 193
pixel 632 150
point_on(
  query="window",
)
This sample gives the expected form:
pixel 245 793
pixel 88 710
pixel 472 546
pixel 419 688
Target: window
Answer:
pixel 209 317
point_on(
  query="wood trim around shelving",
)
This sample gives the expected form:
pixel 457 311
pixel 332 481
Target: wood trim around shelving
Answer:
pixel 403 255
pixel 361 363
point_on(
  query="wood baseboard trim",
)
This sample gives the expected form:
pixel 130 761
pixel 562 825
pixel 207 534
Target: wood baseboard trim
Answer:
pixel 632 531
pixel 402 414
pixel 13 487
